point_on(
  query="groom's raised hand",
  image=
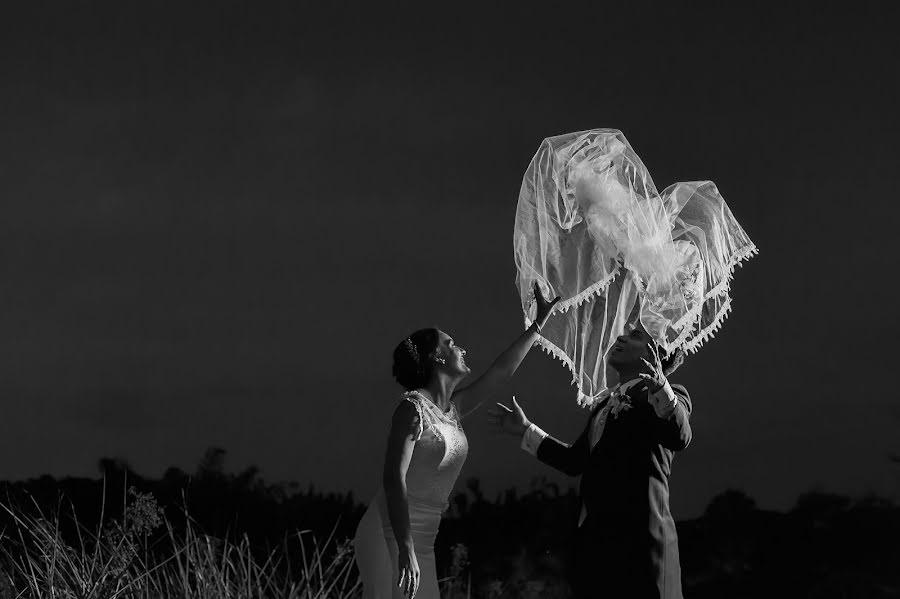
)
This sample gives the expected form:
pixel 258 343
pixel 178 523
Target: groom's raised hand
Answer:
pixel 511 421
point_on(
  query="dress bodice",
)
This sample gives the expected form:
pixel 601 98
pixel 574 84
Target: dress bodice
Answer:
pixel 438 456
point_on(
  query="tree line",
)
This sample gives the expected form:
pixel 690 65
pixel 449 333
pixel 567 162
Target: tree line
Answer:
pixel 517 543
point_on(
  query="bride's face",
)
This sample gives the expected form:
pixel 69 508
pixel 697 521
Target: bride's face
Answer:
pixel 453 356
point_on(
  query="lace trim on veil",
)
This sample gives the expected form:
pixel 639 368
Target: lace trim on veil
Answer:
pixel 722 288
pixel 690 346
pixel 691 320
pixel 588 294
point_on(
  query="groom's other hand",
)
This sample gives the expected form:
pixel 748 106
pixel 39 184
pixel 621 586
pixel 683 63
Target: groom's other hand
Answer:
pixel 511 421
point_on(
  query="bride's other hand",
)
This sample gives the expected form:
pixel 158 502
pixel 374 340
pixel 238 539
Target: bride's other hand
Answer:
pixel 409 572
pixel 511 421
pixel 544 307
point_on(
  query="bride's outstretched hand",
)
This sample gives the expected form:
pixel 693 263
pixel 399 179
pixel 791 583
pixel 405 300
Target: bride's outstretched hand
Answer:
pixel 511 421
pixel 544 307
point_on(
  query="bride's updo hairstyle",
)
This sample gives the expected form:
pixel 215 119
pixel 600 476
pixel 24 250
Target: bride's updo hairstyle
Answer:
pixel 412 366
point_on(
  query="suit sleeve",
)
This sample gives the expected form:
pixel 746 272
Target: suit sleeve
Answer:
pixel 675 432
pixel 568 459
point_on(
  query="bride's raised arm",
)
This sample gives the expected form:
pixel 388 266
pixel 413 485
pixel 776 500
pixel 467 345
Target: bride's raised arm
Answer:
pixel 506 364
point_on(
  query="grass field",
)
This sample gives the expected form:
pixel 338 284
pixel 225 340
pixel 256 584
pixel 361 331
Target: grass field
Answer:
pixel 143 555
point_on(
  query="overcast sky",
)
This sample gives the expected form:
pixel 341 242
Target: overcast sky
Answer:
pixel 219 219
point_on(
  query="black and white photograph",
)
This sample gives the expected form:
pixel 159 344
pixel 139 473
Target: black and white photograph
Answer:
pixel 370 300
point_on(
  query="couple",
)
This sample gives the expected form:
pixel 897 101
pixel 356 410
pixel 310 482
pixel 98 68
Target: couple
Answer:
pixel 626 540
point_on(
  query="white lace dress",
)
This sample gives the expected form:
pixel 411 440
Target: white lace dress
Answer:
pixel 438 456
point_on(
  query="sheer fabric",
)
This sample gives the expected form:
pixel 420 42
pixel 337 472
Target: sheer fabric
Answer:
pixel 592 228
pixel 438 456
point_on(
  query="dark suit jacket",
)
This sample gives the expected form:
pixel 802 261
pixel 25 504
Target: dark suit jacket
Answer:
pixel 627 546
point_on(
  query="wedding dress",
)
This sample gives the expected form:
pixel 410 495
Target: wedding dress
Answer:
pixel 438 456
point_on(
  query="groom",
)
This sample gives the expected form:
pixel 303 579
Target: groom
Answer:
pixel 626 545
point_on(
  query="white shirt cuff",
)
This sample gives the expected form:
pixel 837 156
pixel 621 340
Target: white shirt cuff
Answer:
pixel 666 391
pixel 665 402
pixel 532 439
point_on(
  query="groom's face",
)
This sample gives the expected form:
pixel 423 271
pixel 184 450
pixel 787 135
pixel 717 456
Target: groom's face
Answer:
pixel 630 347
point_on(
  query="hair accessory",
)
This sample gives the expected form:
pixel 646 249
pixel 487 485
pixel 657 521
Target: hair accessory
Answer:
pixel 411 348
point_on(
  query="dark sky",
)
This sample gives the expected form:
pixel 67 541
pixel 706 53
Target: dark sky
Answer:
pixel 219 218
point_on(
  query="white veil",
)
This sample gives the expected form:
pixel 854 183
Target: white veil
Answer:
pixel 591 228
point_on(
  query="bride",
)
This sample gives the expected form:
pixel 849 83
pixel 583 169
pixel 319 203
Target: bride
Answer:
pixel 426 449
